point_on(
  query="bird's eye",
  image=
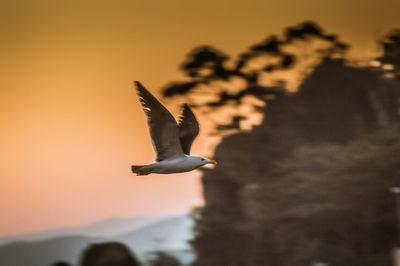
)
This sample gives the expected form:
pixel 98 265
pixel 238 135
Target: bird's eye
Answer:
pixel 203 159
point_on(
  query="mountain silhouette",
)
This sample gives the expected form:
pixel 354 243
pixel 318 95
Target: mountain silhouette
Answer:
pixel 109 227
pixel 169 235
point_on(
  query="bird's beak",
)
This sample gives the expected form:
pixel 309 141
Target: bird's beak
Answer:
pixel 212 162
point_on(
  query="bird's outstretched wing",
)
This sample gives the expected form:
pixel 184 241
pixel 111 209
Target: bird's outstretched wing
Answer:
pixel 188 129
pixel 164 130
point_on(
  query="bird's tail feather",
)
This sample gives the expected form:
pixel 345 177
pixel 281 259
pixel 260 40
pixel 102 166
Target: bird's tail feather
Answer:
pixel 139 170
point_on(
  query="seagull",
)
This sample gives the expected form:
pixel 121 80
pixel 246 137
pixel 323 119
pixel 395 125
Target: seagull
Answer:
pixel 171 140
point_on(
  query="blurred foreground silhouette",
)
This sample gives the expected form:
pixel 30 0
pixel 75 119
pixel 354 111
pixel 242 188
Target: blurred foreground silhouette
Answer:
pixel 311 182
pixel 108 254
pixel 163 259
pixel 118 254
pixel 61 263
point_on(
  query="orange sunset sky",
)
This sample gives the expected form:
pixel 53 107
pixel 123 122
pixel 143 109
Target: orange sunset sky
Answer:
pixel 71 124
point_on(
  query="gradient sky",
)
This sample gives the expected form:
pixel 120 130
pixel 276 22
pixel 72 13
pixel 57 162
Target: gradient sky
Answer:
pixel 71 124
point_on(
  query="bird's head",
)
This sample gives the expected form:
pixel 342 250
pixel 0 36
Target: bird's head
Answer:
pixel 203 161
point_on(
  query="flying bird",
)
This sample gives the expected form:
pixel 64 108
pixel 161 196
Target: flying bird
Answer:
pixel 171 140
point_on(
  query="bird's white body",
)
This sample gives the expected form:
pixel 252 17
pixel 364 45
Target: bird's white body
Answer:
pixel 171 140
pixel 182 164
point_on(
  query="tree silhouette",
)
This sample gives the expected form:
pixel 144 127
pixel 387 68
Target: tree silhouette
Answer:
pixel 391 48
pixel 206 65
pixel 292 190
